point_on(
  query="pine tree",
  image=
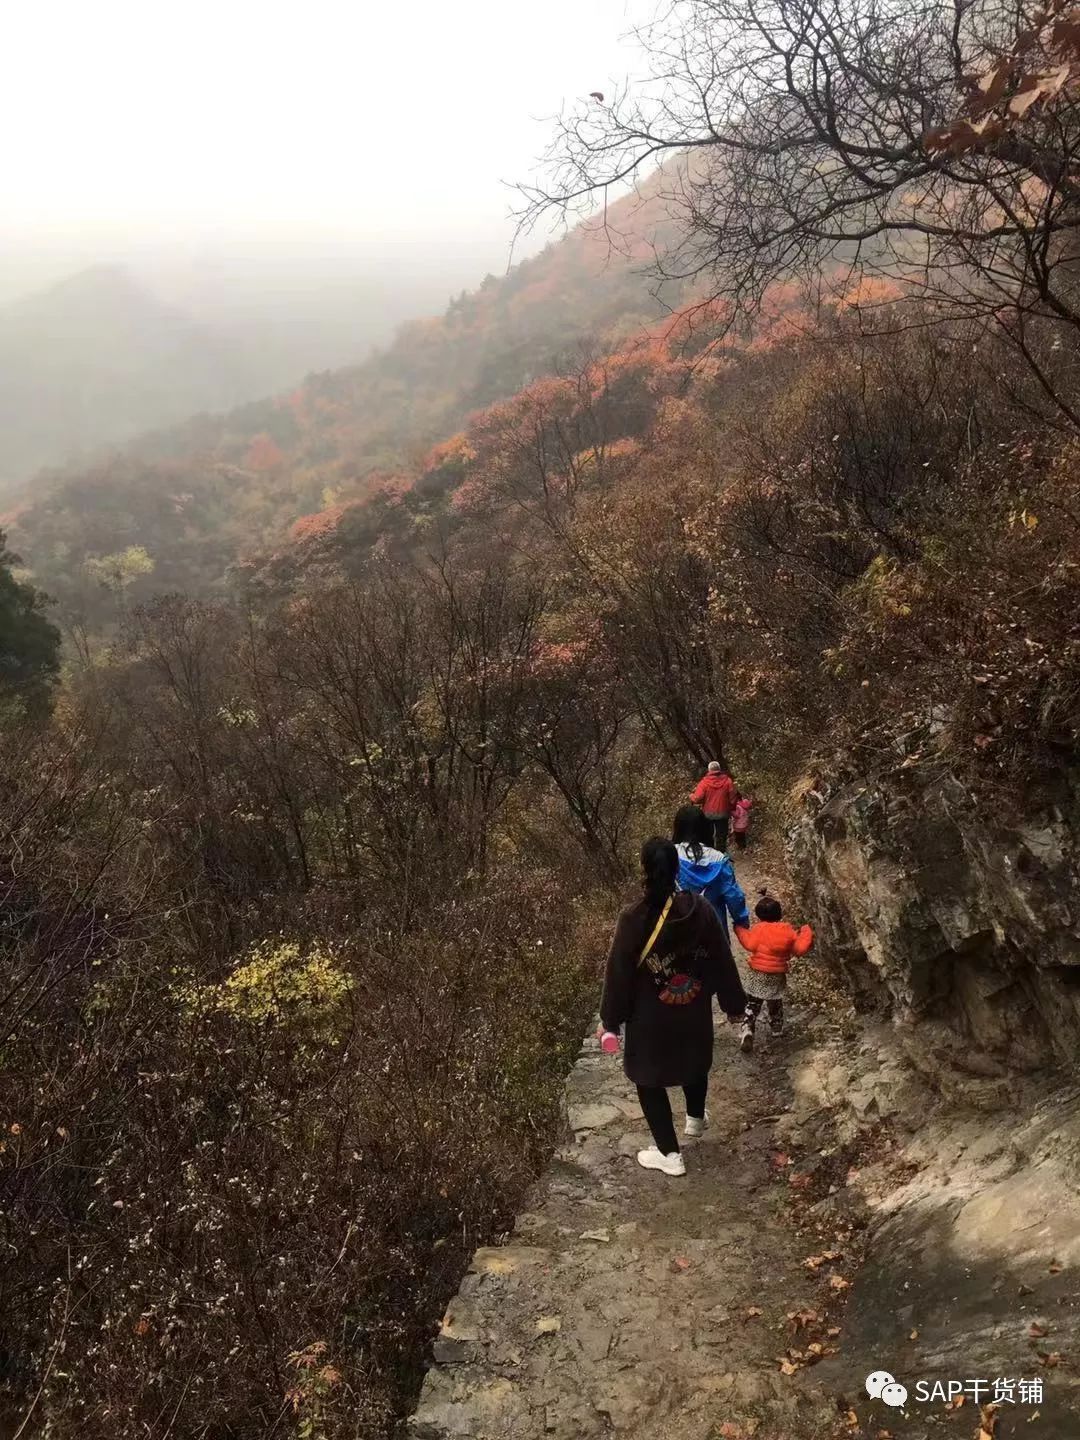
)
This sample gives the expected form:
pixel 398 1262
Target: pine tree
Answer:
pixel 29 643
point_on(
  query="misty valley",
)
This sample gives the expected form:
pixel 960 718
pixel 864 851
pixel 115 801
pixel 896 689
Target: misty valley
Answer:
pixel 441 654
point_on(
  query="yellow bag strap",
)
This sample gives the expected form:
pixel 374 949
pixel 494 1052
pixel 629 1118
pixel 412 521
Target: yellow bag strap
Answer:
pixel 656 929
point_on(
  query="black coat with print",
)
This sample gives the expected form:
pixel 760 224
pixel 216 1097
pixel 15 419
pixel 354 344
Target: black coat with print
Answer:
pixel 666 1005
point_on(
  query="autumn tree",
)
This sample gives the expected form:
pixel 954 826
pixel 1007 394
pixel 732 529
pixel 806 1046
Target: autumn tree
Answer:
pixel 581 731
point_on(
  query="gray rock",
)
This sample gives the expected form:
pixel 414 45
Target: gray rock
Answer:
pixel 926 908
pixel 594 1339
pixel 461 1321
pixel 592 1117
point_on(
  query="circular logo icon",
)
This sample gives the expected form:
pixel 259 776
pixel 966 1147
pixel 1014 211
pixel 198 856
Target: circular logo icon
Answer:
pixel 894 1394
pixel 876 1382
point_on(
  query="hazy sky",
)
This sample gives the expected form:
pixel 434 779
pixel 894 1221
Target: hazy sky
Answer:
pixel 388 123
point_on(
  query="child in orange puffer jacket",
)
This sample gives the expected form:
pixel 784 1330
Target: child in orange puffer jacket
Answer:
pixel 771 944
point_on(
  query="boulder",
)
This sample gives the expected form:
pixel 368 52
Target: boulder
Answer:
pixel 938 916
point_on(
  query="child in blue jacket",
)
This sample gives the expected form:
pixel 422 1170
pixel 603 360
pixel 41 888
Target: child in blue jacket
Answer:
pixel 706 871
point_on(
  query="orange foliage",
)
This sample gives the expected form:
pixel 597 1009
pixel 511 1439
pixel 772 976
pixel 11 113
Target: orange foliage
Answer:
pixel 263 454
pixel 454 450
pixel 467 496
pixel 391 489
pixel 314 527
pixel 549 659
pixel 869 291
pixel 702 319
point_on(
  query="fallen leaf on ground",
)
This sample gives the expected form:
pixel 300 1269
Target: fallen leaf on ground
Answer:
pixel 600 1235
pixel 884 1435
pixel 729 1431
pixel 955 1403
pixel 680 1263
pixel 753 1310
pixel 800 1182
pixel 1054 1358
pixel 815 1262
pixel 914 1335
pixel 833 1331
pixel 1036 1331
pixel 787 1368
pixel 837 1282
pixel 780 1160
pixel 987 1422
pixel 548 1324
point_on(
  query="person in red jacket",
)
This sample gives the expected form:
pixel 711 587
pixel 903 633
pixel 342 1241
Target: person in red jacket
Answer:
pixel 715 792
pixel 771 944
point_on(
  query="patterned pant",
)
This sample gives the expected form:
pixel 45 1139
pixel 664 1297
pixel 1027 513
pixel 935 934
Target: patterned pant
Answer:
pixel 753 1009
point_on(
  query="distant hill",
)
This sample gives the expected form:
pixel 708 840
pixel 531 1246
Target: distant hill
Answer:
pixel 201 496
pixel 116 350
pixel 96 360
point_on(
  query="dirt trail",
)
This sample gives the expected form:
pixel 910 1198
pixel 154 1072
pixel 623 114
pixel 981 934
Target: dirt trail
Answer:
pixel 625 1301
pixel 730 1303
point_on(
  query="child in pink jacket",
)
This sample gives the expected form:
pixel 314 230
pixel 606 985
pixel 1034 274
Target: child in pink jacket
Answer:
pixel 740 820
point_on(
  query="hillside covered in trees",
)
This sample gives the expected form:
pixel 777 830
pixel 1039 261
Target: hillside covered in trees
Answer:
pixel 372 689
pixel 216 491
pixel 182 338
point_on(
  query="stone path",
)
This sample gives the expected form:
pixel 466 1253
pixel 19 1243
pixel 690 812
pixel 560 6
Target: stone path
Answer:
pixel 845 1212
pixel 626 1302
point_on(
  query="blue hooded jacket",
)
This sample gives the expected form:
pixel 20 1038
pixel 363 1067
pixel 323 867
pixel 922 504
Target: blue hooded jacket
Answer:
pixel 713 876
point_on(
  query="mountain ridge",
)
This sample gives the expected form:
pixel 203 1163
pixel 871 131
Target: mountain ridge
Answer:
pixel 92 359
pixel 249 474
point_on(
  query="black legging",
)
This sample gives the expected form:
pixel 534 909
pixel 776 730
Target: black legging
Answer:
pixel 753 1009
pixel 720 830
pixel 656 1107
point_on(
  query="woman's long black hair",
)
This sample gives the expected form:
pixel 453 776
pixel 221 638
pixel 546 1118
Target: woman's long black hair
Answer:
pixel 690 828
pixel 659 871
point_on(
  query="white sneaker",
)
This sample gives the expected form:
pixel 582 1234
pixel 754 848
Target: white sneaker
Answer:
pixel 652 1159
pixel 746 1038
pixel 696 1127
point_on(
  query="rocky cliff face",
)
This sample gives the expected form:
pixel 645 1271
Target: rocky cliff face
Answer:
pixel 967 924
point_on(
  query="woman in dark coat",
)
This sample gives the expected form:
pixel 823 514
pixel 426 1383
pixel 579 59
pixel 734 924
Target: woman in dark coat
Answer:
pixel 669 957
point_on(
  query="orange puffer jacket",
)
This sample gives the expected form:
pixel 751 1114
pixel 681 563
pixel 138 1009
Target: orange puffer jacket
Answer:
pixel 772 943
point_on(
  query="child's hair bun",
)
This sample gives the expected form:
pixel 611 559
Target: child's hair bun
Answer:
pixel 768 907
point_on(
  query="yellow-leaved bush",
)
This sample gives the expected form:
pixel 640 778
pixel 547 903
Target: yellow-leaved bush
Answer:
pixel 279 982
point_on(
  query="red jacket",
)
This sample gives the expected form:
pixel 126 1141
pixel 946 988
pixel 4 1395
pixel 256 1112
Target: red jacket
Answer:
pixel 716 794
pixel 772 943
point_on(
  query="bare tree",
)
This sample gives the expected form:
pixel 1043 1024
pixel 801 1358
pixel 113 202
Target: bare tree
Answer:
pixel 931 143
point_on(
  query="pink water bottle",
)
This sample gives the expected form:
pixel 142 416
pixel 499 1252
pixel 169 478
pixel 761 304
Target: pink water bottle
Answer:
pixel 609 1042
